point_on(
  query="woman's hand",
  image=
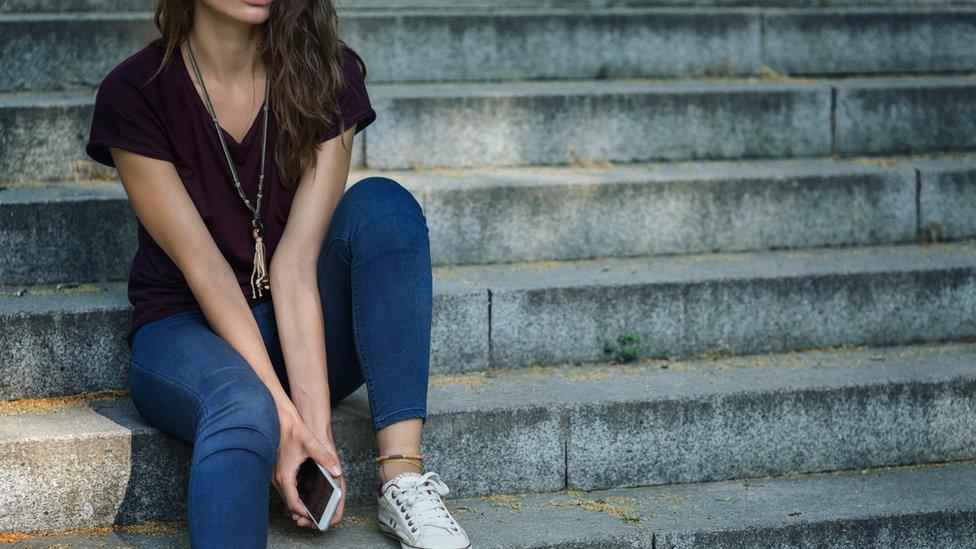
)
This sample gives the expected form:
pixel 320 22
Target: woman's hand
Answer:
pixel 296 444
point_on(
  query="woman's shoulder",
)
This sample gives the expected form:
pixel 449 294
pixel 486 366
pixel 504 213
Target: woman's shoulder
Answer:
pixel 135 71
pixel 129 109
pixel 352 71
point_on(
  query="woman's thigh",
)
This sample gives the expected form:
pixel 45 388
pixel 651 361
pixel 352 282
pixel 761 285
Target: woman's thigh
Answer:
pixel 180 368
pixel 374 279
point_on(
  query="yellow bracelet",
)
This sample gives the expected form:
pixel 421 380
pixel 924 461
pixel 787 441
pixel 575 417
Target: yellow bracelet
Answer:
pixel 387 457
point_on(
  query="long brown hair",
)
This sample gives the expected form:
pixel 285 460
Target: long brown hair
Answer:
pixel 302 53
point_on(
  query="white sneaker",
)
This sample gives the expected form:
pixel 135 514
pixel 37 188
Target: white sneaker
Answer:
pixel 411 511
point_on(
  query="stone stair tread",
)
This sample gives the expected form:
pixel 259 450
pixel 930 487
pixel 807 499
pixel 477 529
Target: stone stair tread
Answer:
pixel 472 178
pixel 47 192
pixel 541 428
pixel 113 6
pixel 546 312
pixel 505 214
pixel 696 268
pixel 433 90
pixel 571 386
pixel 923 505
pixel 607 271
pixel 546 122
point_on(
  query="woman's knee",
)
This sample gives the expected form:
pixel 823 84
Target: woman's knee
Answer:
pixel 242 415
pixel 384 212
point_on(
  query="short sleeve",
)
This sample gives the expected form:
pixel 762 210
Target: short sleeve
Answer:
pixel 125 119
pixel 353 99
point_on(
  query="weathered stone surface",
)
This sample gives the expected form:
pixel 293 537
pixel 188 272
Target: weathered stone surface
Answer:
pixel 776 414
pixel 528 123
pixel 898 509
pixel 418 45
pixel 65 233
pixel 575 122
pixel 563 312
pixel 66 341
pixel 21 6
pixel 526 214
pixel 947 199
pixel 425 46
pixel 729 303
pixel 533 430
pixel 870 40
pixel 67 51
pixel 898 115
pixel 42 138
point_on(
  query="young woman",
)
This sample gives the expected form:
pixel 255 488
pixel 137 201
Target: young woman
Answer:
pixel 261 292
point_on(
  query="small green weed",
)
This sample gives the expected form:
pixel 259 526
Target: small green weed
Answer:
pixel 627 348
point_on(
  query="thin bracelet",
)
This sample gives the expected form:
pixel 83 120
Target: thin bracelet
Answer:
pixel 387 457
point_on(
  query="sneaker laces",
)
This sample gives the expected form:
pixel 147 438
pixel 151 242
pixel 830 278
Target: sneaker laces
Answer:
pixel 423 499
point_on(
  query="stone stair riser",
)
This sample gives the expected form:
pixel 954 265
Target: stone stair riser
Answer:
pixel 511 316
pixel 66 240
pixel 536 123
pixel 904 508
pixel 69 345
pixel 529 434
pixel 947 200
pixel 518 218
pixel 420 46
pixel 425 46
pixel 750 435
pixel 875 119
pixel 733 316
pixel 869 41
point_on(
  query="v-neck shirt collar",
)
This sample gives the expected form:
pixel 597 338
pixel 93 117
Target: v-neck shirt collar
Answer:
pixel 202 108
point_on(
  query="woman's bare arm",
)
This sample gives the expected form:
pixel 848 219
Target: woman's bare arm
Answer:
pixel 294 286
pixel 163 206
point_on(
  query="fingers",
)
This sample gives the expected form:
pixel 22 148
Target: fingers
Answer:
pixel 303 521
pixel 342 503
pixel 325 457
pixel 288 487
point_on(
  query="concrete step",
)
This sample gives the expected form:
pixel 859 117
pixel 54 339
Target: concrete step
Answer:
pixel 428 46
pixel 510 316
pixel 98 463
pixel 572 122
pixel 528 214
pixel 66 339
pixel 899 508
pixel 55 6
pixel 462 45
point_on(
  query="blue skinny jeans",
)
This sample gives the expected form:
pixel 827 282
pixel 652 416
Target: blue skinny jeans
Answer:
pixel 374 278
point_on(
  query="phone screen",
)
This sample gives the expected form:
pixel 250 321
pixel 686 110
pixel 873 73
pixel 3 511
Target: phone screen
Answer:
pixel 313 488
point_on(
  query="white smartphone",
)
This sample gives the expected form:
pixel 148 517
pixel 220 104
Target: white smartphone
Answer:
pixel 319 492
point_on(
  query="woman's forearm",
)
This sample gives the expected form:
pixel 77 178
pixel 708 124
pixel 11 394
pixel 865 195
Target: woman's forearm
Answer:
pixel 226 310
pixel 301 332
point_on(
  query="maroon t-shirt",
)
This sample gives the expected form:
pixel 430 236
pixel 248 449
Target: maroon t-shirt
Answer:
pixel 166 118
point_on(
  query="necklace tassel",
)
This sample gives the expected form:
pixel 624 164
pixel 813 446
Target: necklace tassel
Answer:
pixel 259 276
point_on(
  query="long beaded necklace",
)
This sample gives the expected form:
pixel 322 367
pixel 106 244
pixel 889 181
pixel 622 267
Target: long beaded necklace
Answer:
pixel 259 274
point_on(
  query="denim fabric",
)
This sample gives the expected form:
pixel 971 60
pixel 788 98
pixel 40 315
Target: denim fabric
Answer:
pixel 374 278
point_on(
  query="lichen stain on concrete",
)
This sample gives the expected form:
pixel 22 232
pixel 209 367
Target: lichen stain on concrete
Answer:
pixel 50 404
pixel 615 506
pixel 354 520
pixel 512 502
pixel 672 497
pixel 471 379
pixel 152 528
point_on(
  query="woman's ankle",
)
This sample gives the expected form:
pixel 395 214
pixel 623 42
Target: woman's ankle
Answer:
pixel 390 470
